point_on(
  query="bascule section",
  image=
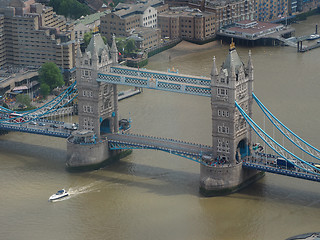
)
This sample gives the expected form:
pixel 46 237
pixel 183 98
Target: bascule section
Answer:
pixel 231 135
pixel 98 104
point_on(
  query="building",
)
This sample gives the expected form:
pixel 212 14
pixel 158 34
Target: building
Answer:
pixel 186 23
pixel 32 34
pixel 122 21
pixel 146 38
pixel 251 30
pixel 87 24
pixel 12 77
pixel 226 12
pixel 269 10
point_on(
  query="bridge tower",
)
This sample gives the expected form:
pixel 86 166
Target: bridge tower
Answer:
pixel 97 105
pixel 231 135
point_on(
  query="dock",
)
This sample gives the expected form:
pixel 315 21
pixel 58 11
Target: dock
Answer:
pixel 308 48
pixel 128 93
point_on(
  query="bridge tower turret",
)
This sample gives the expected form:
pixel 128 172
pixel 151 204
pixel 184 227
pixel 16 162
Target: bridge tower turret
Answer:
pixel 231 135
pixel 96 100
pixel 97 103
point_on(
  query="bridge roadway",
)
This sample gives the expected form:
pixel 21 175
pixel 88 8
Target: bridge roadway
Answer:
pixel 43 127
pixel 268 163
pixel 134 141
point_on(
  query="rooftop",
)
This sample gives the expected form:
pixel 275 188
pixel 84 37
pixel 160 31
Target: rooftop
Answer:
pixel 85 20
pixel 251 27
pixel 185 11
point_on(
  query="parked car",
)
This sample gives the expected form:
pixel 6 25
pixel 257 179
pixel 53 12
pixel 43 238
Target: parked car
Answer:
pixel 41 124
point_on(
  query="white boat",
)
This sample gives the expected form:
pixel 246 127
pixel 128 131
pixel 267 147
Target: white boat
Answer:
pixel 58 195
pixel 313 37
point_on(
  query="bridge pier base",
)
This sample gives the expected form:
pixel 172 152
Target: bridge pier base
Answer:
pixel 224 180
pixel 90 156
pixel 86 156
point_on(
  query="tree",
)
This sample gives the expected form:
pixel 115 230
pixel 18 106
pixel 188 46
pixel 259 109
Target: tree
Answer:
pixel 87 37
pixel 125 46
pixel 121 43
pixel 24 99
pixel 130 46
pixel 50 77
pixel 44 90
pixel 69 8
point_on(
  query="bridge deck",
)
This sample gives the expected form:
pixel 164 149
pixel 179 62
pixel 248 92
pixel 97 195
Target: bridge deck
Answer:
pixel 129 141
pixel 42 130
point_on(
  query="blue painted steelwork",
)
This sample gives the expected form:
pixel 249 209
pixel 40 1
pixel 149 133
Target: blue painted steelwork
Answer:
pixel 50 107
pixel 254 126
pixel 70 88
pixel 296 137
pixel 289 173
pixel 46 132
pixel 172 77
pixel 154 83
pixel 115 145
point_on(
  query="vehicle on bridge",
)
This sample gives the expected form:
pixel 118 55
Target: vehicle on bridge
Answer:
pixel 318 168
pixel 282 163
pixel 16 117
pixel 70 126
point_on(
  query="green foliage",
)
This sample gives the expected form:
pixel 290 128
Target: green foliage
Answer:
pixel 136 64
pixel 130 46
pixel 69 8
pixel 50 77
pixel 44 90
pixel 87 37
pixel 24 99
pixel 126 47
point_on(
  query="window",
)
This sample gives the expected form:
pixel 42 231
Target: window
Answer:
pixel 222 91
pixel 223 129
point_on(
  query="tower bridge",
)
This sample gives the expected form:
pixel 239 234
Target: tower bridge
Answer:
pixel 229 164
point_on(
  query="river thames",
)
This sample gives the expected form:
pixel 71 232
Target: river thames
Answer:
pixel 154 195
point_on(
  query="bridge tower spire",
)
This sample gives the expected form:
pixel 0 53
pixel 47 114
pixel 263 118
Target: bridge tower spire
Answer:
pixel 231 135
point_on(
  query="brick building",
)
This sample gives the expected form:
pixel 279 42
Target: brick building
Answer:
pixel 127 17
pixel 227 12
pixel 186 23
